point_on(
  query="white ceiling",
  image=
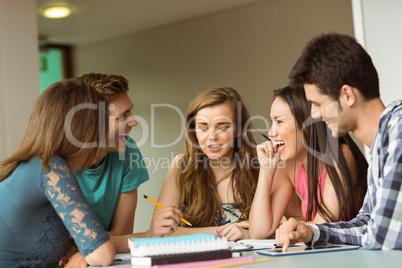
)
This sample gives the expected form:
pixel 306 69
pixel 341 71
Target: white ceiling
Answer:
pixel 96 20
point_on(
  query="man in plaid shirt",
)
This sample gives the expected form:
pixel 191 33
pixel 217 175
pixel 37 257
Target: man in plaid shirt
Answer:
pixel 342 85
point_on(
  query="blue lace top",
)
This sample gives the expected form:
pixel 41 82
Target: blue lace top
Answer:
pixel 40 210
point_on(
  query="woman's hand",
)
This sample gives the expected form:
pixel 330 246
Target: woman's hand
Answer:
pixel 76 261
pixel 268 156
pixel 165 221
pixel 70 252
pixel 234 231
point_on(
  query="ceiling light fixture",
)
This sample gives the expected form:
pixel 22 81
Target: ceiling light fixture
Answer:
pixel 56 12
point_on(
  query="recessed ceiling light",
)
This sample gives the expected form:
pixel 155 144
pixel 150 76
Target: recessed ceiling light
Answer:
pixel 56 12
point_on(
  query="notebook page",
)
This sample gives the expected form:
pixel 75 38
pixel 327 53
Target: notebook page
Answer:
pixel 252 244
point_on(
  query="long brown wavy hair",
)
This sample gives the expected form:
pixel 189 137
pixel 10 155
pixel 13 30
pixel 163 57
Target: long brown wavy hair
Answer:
pixel 196 181
pixel 323 148
pixel 60 125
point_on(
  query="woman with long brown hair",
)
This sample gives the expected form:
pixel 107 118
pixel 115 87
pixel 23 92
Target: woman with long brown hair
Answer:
pixel 214 181
pixel 41 201
pixel 304 171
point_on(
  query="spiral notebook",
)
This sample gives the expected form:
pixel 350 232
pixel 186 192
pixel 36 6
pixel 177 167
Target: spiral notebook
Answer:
pixel 177 249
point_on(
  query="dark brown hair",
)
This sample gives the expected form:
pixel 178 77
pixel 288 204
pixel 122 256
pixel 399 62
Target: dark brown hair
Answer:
pixel 332 60
pixel 324 149
pixel 110 86
pixel 60 125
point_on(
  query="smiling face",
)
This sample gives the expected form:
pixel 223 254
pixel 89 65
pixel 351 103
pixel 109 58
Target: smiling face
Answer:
pixel 121 120
pixel 215 131
pixel 284 133
pixel 328 110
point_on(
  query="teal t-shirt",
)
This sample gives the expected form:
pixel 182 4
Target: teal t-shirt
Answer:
pixel 119 173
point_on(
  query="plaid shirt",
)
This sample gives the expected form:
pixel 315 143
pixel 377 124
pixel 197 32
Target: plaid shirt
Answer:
pixel 379 222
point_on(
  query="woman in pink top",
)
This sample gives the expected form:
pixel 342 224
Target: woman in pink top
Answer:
pixel 301 188
pixel 304 172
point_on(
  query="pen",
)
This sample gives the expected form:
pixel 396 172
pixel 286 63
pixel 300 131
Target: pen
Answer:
pixel 159 205
pixel 246 245
pixel 265 136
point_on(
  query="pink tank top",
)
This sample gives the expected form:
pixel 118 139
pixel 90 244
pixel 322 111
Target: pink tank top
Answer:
pixel 302 188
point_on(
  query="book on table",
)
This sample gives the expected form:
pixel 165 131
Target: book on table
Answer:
pixel 177 249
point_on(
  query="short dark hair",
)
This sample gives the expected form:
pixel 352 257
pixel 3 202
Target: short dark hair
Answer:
pixel 110 86
pixel 332 60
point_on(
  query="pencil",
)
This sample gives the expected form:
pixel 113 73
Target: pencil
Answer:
pixel 159 205
pixel 265 136
pixel 239 263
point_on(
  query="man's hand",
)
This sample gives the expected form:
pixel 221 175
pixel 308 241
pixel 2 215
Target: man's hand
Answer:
pixel 234 231
pixel 291 232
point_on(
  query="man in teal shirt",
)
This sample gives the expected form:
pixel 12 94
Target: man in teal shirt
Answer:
pixel 111 188
pixel 110 185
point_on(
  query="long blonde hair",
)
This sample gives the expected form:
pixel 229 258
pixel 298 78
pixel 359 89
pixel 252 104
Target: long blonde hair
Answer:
pixel 197 183
pixel 47 133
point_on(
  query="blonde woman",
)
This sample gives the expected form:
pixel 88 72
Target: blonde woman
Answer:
pixel 214 181
pixel 41 201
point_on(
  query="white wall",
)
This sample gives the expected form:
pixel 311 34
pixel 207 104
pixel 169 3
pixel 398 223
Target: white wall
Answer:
pixel 377 27
pixel 379 30
pixel 19 70
pixel 251 49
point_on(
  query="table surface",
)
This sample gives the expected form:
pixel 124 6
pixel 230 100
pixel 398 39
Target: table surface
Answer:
pixel 359 258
